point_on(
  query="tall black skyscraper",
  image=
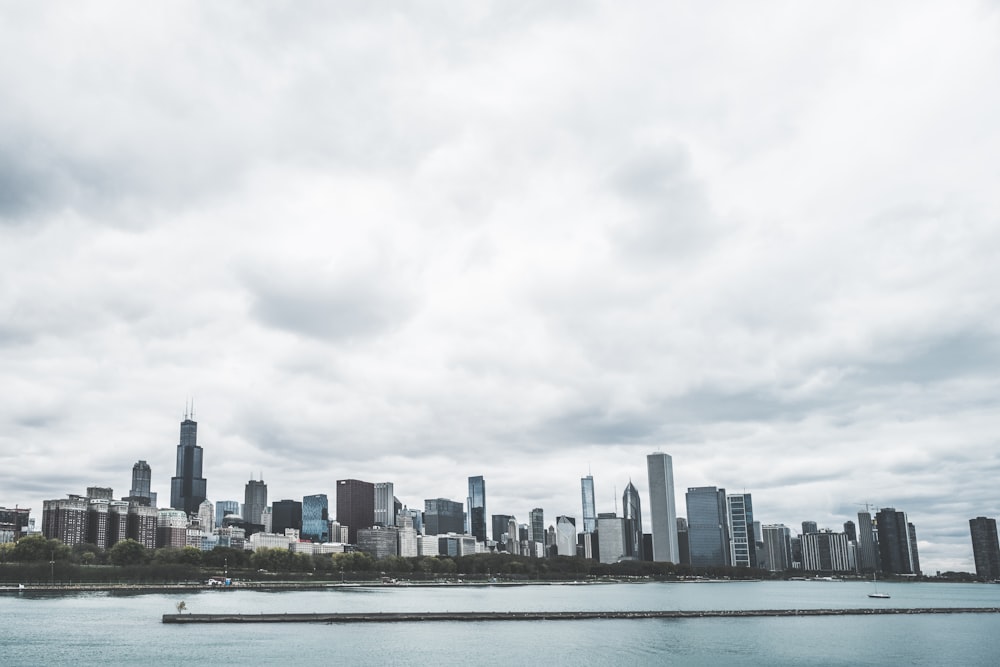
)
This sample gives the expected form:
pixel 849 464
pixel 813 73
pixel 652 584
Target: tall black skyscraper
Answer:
pixel 896 542
pixel 188 487
pixel 355 506
pixel 477 507
pixel 254 502
pixel 985 548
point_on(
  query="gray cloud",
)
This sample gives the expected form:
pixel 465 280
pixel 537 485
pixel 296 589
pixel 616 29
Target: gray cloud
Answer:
pixel 512 240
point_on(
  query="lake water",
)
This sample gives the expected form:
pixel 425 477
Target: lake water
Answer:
pixel 116 629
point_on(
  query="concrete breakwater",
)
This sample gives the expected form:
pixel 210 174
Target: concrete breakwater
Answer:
pixel 405 617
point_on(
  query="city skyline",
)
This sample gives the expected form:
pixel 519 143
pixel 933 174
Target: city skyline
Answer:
pixel 523 242
pixel 719 530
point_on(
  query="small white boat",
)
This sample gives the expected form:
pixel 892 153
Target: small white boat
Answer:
pixel 876 594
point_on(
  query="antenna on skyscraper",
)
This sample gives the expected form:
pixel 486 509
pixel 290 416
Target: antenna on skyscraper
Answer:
pixel 192 408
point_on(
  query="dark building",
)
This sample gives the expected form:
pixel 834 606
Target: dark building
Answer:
pixel 632 514
pixel 536 525
pixel 254 504
pixel 97 522
pixel 985 548
pixel 708 526
pixel 851 531
pixel 443 516
pixel 14 521
pixel 355 506
pixel 141 525
pixel 868 556
pixel 316 518
pixel 142 479
pixel 477 508
pixel 896 542
pixel 683 544
pixel 647 547
pixel 809 527
pixel 500 524
pixel 286 514
pixel 65 519
pixel 188 488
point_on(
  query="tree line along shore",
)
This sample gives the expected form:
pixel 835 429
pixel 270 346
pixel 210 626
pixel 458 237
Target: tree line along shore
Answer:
pixel 36 560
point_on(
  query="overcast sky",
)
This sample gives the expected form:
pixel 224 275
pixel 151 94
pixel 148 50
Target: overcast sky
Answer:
pixel 417 242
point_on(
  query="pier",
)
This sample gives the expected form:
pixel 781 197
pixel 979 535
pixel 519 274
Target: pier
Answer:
pixel 431 616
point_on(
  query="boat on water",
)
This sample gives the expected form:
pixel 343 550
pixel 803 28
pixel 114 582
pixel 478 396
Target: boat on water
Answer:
pixel 876 593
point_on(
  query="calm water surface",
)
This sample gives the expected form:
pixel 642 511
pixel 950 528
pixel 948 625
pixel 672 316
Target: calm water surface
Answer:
pixel 112 629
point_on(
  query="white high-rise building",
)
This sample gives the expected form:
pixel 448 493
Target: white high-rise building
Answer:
pixel 589 510
pixel 662 510
pixel 566 536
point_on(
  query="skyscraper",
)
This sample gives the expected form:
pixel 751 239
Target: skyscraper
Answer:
pixel 443 516
pixel 777 551
pixel 536 524
pixel 65 519
pixel 477 508
pixel 742 545
pixel 142 476
pixel 589 509
pixel 500 524
pixel 868 558
pixel 316 518
pixel 632 514
pixel 385 504
pixel 708 526
pixel 188 487
pixel 254 502
pixel 896 542
pixel 610 537
pixel 355 506
pixel 286 514
pixel 566 536
pixel 985 548
pixel 662 511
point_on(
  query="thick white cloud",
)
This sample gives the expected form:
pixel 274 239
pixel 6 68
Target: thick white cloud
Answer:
pixel 424 243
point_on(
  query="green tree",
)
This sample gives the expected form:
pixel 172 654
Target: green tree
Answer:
pixel 37 548
pixel 128 552
pixel 190 556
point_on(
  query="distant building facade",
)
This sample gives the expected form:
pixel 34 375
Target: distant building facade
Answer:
pixel 742 545
pixel 708 526
pixel 385 504
pixel 589 508
pixel 188 488
pixel 776 554
pixel 662 508
pixel 355 506
pixel 985 548
pixel 632 517
pixel 142 479
pixel 316 518
pixel 254 502
pixel 897 543
pixel 477 508
pixel 443 516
